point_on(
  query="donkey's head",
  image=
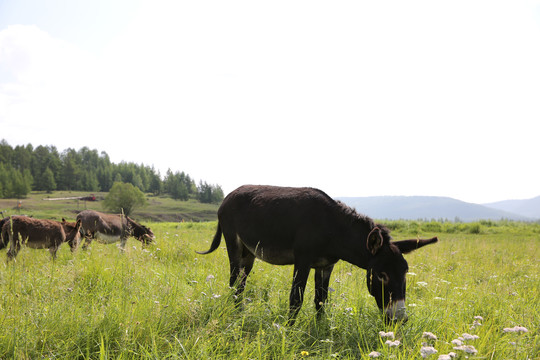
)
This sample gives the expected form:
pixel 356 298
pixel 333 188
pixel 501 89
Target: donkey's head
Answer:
pixel 73 234
pixel 386 271
pixel 142 233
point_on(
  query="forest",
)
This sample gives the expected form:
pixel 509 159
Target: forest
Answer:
pixel 45 168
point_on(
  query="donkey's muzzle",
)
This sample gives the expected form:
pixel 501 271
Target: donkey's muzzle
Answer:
pixel 396 311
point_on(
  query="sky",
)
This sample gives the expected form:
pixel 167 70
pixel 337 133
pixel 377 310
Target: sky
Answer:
pixel 356 98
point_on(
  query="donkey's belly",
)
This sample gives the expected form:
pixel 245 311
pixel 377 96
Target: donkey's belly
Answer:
pixel 106 238
pixel 38 244
pixel 270 253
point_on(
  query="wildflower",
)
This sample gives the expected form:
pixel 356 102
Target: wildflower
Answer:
pixel 411 274
pixel 457 342
pixel 470 337
pixel 304 353
pixel 389 334
pixel 393 343
pixel 475 324
pixel 479 318
pixel 216 296
pixel 374 354
pixel 425 351
pixel 469 349
pixel 210 277
pixel 429 335
pixel 516 328
pixel 327 341
pixel 421 283
pixel 439 298
pixel 450 356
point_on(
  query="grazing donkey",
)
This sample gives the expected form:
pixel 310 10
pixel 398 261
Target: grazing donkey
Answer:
pixel 308 229
pixel 110 228
pixel 39 234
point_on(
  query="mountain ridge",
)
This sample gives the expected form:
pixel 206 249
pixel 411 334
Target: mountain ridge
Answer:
pixel 435 207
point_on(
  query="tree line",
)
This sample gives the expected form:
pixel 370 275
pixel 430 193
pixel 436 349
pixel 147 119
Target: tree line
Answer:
pixel 44 168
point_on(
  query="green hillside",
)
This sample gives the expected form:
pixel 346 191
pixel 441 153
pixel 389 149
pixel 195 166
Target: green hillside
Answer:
pixel 159 208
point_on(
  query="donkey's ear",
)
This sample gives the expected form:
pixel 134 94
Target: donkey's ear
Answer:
pixel 374 240
pixel 78 224
pixel 406 246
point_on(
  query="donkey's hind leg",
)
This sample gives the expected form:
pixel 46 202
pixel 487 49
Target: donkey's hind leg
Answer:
pixel 240 263
pixel 88 237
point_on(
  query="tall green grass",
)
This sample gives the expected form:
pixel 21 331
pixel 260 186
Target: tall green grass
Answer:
pixel 167 302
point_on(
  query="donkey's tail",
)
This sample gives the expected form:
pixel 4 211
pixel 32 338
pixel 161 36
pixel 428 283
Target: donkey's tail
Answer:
pixel 215 242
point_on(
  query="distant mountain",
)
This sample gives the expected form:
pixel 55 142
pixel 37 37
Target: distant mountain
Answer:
pixel 426 207
pixel 529 208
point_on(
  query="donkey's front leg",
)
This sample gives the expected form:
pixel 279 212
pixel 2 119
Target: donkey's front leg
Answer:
pixel 322 280
pixel 296 298
pixel 123 241
pixel 14 245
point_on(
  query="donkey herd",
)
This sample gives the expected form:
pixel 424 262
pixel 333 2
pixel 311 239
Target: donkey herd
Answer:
pixel 302 227
pixel 50 234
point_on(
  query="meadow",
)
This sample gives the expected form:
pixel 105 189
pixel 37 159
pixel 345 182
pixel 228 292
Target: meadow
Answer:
pixel 167 302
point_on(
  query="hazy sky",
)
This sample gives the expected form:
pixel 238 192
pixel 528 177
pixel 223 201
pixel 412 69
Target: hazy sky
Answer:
pixel 356 98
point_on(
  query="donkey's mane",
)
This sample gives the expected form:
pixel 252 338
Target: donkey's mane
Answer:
pixel 353 215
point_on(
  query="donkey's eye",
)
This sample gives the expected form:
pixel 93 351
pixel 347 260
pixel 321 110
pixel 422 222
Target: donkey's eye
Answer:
pixel 383 277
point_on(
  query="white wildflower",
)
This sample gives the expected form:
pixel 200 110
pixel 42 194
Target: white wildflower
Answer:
pixel 412 305
pixel 389 334
pixel 421 283
pixel 216 296
pixel 470 337
pixel 374 354
pixel 439 298
pixel 475 324
pixel 516 329
pixel 411 274
pixel 210 277
pixel 450 356
pixel 457 342
pixel 479 318
pixel 429 335
pixel 425 351
pixel 469 349
pixel 395 343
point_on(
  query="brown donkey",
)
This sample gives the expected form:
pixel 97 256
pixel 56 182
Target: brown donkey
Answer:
pixel 40 234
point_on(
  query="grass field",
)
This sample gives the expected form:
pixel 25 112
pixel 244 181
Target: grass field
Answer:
pixel 167 302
